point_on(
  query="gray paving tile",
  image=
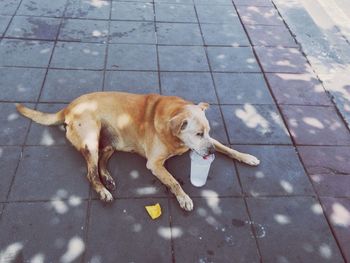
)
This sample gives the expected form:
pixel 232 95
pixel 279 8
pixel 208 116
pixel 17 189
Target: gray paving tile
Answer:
pixel 47 135
pixel 21 84
pixel 224 34
pixel 335 209
pixel 179 34
pixel 256 15
pixel 217 230
pixel 175 13
pixel 132 11
pixel 42 8
pixel 253 2
pixel 34 27
pixel 97 9
pixel 182 58
pixel 307 234
pixel 222 179
pixel 9 158
pixel 195 87
pixel 46 173
pixel 4 21
pixel 132 81
pixel 84 30
pixel 13 126
pixel 217 14
pixel 78 55
pixel 279 173
pixel 132 57
pixel 186 2
pixel 58 229
pixel 255 124
pixel 8 7
pixel 132 32
pixel 235 59
pixel 239 88
pixel 134 228
pixel 25 53
pixel 282 60
pixel 270 36
pixel 132 177
pixel 216 122
pixel 71 84
pixel 316 125
pixel 336 185
pixel 213 2
pixel 301 89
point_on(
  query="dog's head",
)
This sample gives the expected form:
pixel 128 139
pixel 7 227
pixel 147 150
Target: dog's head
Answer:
pixel 192 128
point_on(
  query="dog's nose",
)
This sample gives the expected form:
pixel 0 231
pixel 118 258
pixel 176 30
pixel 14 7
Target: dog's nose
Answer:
pixel 211 150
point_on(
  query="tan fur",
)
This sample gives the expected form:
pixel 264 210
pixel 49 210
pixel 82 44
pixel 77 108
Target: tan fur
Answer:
pixel 156 127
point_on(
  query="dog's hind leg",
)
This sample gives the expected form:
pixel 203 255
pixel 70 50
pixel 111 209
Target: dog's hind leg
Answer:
pixel 106 178
pixel 242 157
pixel 83 133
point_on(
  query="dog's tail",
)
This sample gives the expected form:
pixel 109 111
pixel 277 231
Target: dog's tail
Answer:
pixel 41 117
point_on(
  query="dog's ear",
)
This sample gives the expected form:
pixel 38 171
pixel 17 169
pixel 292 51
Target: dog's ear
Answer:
pixel 203 105
pixel 178 124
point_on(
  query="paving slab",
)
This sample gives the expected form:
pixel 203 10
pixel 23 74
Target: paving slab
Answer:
pixel 242 88
pixel 282 60
pixel 300 89
pixel 56 226
pixel 132 81
pixel 47 135
pixel 182 58
pixel 175 13
pixel 196 87
pixel 279 173
pixel 70 55
pixel 9 7
pixel 14 126
pixel 132 57
pixel 21 84
pixel 336 185
pixel 217 14
pixel 28 27
pixel 253 2
pixel 261 35
pixel 134 228
pixel 42 8
pixel 216 122
pixel 132 11
pixel 213 2
pixel 216 231
pixel 134 32
pixel 230 34
pixel 307 233
pixel 316 125
pixel 71 84
pixel 259 15
pixel 255 124
pixel 27 53
pixel 9 158
pixel 178 34
pixel 4 21
pixel 132 178
pixel 338 213
pixel 185 2
pixel 330 160
pixel 232 59
pixel 222 179
pixel 88 9
pixel 40 176
pixel 84 30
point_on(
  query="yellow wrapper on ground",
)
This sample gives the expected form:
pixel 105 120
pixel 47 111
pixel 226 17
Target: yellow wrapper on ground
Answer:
pixel 154 210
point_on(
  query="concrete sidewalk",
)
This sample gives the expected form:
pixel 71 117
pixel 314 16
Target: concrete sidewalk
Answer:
pixel 252 60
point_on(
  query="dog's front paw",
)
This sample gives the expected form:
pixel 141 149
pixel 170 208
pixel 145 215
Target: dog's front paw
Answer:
pixel 108 182
pixel 250 159
pixel 105 195
pixel 185 202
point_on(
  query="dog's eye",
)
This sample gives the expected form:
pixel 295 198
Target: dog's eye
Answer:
pixel 200 134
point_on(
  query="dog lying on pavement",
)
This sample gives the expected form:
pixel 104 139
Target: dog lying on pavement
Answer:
pixel 154 126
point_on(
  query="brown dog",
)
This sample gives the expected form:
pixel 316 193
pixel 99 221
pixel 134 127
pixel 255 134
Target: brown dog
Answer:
pixel 156 127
